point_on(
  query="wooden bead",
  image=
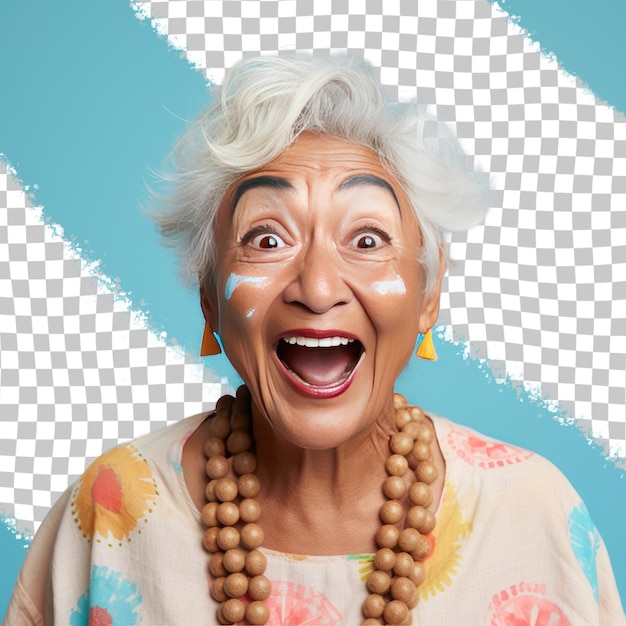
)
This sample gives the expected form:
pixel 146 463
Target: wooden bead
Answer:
pixel 394 487
pixel 257 613
pixel 395 612
pixel 379 582
pixel 208 514
pixel 423 548
pixel 399 401
pixel 224 403
pixel 234 560
pixel 233 610
pixel 417 413
pixel 387 536
pixel 219 614
pixel 385 559
pixel 402 418
pixel 426 472
pixel 239 441
pixel 411 429
pixel 421 451
pixel 220 426
pixel 236 585
pixel 429 524
pixel 408 540
pixel 210 539
pixel 396 465
pixel 239 420
pixel 401 443
pixel 416 517
pixel 402 589
pixel 244 396
pixel 374 605
pixel 244 463
pixel 412 461
pixel 391 512
pixel 227 513
pixel 418 574
pixel 209 491
pixel 214 447
pixel 249 510
pixel 227 538
pixel 248 486
pixel 217 467
pixel 404 564
pixel 256 562
pixel 216 565
pixel 252 536
pixel 259 587
pixel 226 490
pixel 412 603
pixel 217 589
pixel 420 494
pixel 426 433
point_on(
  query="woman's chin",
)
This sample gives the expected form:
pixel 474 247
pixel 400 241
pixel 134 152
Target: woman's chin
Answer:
pixel 323 423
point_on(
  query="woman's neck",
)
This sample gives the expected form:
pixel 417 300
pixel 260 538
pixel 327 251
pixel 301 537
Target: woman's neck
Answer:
pixel 315 502
pixel 325 502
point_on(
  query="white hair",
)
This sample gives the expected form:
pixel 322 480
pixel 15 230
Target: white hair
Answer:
pixel 266 102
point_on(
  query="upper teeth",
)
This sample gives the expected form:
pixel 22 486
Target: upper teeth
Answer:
pixel 324 342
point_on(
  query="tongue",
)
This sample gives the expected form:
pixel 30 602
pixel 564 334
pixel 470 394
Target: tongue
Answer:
pixel 317 366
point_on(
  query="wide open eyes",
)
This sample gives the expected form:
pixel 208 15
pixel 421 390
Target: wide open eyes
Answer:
pixel 370 238
pixel 263 238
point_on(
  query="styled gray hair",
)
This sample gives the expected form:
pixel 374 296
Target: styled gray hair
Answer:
pixel 266 102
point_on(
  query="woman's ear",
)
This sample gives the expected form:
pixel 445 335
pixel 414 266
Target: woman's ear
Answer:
pixel 430 305
pixel 210 309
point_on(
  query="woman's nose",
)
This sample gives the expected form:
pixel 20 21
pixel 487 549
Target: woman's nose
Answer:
pixel 319 283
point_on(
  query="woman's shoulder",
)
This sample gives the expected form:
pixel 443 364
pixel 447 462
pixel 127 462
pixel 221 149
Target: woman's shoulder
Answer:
pixel 482 451
pixel 495 468
pixel 159 447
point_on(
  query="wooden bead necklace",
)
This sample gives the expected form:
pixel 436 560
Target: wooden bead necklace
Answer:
pixel 233 537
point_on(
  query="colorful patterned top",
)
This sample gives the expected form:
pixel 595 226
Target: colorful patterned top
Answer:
pixel 514 545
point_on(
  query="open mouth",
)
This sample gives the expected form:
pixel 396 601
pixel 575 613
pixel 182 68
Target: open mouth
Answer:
pixel 324 363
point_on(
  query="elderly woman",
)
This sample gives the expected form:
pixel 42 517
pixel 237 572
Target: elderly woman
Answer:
pixel 311 212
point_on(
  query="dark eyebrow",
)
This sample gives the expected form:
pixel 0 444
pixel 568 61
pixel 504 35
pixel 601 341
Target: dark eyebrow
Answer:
pixel 273 182
pixel 368 179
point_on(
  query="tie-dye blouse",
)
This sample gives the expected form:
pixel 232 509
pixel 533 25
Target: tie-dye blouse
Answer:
pixel 514 545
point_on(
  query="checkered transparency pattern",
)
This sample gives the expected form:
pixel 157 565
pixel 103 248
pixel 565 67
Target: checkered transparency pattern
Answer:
pixel 79 370
pixel 538 290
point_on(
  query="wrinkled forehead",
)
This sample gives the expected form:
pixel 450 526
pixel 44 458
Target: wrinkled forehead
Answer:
pixel 316 161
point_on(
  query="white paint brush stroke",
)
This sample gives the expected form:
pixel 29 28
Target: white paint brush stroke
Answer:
pixel 234 280
pixel 395 286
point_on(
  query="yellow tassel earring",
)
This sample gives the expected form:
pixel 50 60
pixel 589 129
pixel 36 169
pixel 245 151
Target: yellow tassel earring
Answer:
pixel 425 346
pixel 209 345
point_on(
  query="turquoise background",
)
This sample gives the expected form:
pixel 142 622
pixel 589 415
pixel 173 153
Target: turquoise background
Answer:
pixel 91 99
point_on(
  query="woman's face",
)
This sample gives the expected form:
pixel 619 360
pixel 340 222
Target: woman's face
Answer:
pixel 319 292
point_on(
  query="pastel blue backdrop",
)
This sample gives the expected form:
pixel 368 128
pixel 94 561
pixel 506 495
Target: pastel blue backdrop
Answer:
pixel 91 100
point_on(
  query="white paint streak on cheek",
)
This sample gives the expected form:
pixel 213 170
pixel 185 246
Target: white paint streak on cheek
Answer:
pixel 234 280
pixel 385 287
pixel 250 313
